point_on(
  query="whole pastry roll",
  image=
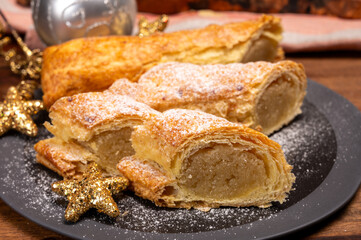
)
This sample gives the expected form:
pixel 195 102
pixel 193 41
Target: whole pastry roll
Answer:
pixel 262 95
pixel 93 64
pixel 187 158
pixel 90 127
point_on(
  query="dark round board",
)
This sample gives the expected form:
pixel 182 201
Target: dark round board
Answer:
pixel 322 144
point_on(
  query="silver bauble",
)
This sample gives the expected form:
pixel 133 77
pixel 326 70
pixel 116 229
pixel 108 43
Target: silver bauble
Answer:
pixel 57 21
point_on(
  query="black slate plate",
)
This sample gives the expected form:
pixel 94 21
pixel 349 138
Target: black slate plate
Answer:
pixel 323 145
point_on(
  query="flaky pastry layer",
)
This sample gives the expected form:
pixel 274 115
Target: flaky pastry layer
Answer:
pixel 90 127
pixel 261 95
pixel 67 159
pixel 93 64
pixel 186 158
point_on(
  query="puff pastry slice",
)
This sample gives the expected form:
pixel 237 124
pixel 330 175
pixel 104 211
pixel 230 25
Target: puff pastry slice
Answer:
pixel 67 159
pixel 90 127
pixel 262 95
pixel 187 158
pixel 93 64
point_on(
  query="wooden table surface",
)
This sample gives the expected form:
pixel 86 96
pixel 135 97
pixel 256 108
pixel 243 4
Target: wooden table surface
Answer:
pixel 339 71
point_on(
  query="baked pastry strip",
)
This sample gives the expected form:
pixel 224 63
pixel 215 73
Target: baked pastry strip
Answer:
pixel 262 95
pixel 93 64
pixel 90 127
pixel 187 158
pixel 67 159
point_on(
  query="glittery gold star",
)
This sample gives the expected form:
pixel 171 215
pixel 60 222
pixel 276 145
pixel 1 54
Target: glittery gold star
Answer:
pixel 16 110
pixel 91 191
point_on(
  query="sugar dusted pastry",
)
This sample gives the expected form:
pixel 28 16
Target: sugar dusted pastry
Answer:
pixel 90 127
pixel 93 64
pixel 261 95
pixel 186 158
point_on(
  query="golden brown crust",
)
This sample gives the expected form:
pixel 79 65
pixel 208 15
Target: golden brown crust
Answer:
pixel 146 179
pixel 176 126
pixel 230 91
pixel 173 84
pixel 171 131
pixel 93 64
pixel 91 110
pixel 84 125
pixel 65 159
pixel 165 146
pixel 84 115
pixel 165 142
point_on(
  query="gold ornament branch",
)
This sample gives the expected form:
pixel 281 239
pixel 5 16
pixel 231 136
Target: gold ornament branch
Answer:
pixel 28 64
pixel 147 28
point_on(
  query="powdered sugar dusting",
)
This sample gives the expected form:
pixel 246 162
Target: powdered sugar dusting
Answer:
pixel 181 83
pixel 205 79
pixel 29 180
pixel 179 124
pixel 92 109
pixel 308 142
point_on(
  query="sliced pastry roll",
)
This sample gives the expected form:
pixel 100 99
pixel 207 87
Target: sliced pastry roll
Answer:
pixel 187 158
pixel 90 127
pixel 261 95
pixel 93 64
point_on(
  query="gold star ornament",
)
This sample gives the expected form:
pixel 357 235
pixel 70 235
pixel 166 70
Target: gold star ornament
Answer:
pixel 91 191
pixel 16 109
